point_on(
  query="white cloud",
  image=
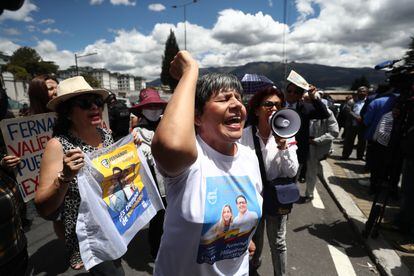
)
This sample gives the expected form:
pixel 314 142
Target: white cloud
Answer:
pixel 23 14
pixel 47 21
pixel 51 31
pixel 49 52
pixel 270 3
pixel 123 2
pixel 339 33
pixel 11 31
pixel 156 7
pixel 7 46
pixel 31 28
pixel 95 2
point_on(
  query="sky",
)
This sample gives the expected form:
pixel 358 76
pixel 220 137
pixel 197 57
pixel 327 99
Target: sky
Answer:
pixel 129 35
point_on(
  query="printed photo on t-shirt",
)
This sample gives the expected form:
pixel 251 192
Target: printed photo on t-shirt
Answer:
pixel 231 215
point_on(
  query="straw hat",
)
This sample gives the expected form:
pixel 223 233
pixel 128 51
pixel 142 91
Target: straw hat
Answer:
pixel 73 87
pixel 149 97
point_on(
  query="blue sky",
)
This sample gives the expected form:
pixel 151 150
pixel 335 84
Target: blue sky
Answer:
pixel 129 35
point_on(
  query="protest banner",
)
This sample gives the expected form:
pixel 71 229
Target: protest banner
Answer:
pixel 118 198
pixel 26 137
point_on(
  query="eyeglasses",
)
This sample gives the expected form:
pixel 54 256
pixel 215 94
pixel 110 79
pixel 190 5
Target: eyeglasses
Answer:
pixel 86 102
pixel 270 104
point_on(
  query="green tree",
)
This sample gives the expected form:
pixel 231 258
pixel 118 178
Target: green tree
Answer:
pixel 26 59
pixel 409 55
pixel 91 80
pixel 358 82
pixel 171 49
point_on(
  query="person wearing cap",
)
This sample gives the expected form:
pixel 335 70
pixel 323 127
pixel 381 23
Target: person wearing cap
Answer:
pixel 76 132
pixel 279 160
pixel 315 109
pixel 149 110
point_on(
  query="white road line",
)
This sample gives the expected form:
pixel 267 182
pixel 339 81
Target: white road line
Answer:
pixel 342 263
pixel 317 202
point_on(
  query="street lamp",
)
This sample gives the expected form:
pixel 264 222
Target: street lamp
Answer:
pixel 185 18
pixel 81 56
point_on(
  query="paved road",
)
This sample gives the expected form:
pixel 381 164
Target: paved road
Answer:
pixel 320 242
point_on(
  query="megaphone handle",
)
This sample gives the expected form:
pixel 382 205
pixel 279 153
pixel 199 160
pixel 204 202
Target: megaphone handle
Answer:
pixel 281 142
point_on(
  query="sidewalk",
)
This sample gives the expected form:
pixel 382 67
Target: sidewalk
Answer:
pixel 348 183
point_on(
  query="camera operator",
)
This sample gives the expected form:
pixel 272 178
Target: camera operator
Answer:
pixel 403 135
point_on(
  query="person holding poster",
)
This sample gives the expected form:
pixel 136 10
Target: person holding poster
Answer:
pixel 76 132
pixel 41 90
pixel 13 243
pixel 195 147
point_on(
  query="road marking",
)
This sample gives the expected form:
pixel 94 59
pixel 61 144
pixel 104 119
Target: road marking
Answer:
pixel 341 261
pixel 317 201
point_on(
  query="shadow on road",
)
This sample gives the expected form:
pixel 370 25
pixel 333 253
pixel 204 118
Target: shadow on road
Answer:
pixel 50 259
pixel 336 234
pixel 138 256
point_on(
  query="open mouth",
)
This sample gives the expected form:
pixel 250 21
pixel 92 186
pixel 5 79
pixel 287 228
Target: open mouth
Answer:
pixel 233 120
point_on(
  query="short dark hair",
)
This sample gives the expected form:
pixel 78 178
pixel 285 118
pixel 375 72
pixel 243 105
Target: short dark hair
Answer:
pixel 214 83
pixel 241 196
pixel 257 99
pixel 298 90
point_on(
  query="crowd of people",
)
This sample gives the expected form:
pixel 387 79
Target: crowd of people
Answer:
pixel 217 164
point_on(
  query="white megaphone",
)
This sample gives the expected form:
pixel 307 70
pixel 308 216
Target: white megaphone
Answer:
pixel 285 123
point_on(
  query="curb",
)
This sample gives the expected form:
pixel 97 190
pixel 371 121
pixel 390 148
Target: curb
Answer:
pixel 386 259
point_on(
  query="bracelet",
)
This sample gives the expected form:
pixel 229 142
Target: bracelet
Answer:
pixel 64 179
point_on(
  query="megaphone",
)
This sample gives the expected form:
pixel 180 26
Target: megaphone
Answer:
pixel 285 123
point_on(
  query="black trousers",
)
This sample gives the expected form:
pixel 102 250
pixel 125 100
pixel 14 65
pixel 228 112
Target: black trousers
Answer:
pixel 349 141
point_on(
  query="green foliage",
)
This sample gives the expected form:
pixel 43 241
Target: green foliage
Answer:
pixel 25 63
pixel 171 49
pixel 91 80
pixel 19 72
pixel 358 82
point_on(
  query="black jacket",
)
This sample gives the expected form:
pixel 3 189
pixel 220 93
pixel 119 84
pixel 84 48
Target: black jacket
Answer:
pixel 308 111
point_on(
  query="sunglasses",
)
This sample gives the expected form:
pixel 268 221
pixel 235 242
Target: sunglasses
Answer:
pixel 270 104
pixel 86 102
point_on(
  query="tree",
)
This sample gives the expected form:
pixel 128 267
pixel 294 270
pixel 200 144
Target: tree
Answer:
pixel 409 55
pixel 358 82
pixel 171 49
pixel 91 80
pixel 25 63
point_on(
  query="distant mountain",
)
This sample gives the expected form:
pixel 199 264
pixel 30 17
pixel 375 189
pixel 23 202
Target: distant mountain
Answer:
pixel 322 76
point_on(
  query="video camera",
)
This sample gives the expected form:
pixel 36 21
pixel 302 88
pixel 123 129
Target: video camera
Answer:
pixel 399 76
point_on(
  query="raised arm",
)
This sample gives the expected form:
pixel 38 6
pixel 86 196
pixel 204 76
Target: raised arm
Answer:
pixel 174 143
pixel 317 109
pixel 56 173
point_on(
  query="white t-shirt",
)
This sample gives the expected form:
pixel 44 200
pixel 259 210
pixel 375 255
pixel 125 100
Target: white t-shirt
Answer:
pixel 196 199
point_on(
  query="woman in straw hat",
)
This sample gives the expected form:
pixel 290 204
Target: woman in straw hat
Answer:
pixel 76 132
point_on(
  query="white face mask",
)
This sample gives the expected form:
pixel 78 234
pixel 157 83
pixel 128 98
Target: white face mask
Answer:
pixel 152 114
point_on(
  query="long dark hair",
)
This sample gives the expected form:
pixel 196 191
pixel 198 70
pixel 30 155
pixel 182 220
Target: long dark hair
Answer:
pixel 257 99
pixel 63 123
pixel 38 93
pixel 4 103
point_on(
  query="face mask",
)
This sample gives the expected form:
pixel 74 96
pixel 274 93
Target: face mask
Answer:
pixel 152 114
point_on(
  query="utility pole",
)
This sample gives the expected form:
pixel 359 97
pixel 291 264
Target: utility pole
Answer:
pixel 81 56
pixel 184 6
